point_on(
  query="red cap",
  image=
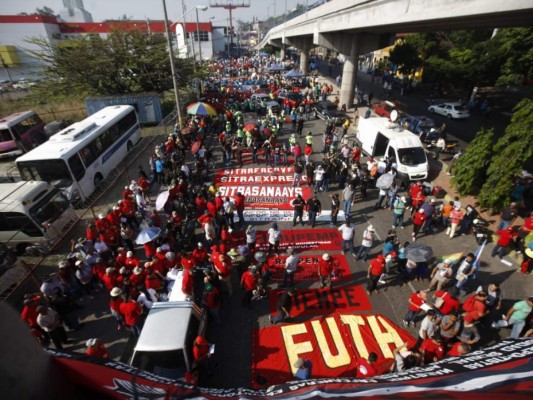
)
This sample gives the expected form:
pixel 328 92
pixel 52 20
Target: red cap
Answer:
pixel 468 319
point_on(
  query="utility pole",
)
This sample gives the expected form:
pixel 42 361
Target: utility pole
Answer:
pixel 230 5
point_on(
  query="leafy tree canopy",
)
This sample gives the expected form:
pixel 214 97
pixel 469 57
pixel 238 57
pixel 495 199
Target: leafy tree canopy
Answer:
pixel 123 62
pixel 510 154
pixel 469 58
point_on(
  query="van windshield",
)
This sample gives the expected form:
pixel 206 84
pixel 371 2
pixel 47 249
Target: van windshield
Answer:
pixel 412 156
pixel 49 208
pixel 169 364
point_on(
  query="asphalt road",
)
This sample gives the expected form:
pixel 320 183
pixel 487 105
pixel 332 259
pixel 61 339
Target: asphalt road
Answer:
pixel 234 337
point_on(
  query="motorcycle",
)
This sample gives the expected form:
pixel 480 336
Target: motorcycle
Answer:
pixel 480 230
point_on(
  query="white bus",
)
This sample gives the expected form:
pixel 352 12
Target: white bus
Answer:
pixel 33 212
pixel 80 156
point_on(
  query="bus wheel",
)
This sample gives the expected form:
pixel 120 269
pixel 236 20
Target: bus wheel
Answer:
pixel 98 178
pixel 129 146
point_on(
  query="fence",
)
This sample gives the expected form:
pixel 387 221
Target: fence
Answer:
pixel 23 278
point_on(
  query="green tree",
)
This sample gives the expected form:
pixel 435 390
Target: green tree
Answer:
pixel 405 56
pixel 511 152
pixel 123 62
pixel 470 170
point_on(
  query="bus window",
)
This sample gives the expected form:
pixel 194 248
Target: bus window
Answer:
pixel 14 221
pixel 25 125
pixel 87 155
pixel 76 166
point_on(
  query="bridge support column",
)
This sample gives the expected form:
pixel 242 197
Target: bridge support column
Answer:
pixel 304 60
pixel 349 74
pixel 282 52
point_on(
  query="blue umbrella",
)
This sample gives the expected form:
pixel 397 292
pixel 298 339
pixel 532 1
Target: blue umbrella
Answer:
pixel 147 235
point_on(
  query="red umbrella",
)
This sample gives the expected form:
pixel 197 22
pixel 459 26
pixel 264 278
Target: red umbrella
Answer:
pixel 195 147
pixel 250 127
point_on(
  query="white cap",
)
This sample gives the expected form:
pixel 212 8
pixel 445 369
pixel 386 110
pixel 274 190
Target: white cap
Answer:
pixel 200 244
pixel 129 254
pixel 109 270
pixel 79 262
pixel 101 215
pixel 371 228
pixel 62 264
pixel 137 270
pixel 90 342
pixel 325 256
pixel 116 291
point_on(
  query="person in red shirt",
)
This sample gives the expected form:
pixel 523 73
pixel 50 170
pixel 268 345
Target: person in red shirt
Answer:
pixel 416 300
pixel 365 368
pixel 201 203
pixel 325 269
pixel 458 349
pixel 219 201
pixel 356 155
pixel 150 249
pixel 127 192
pixel 158 266
pixel 132 312
pixel 188 262
pixel 475 306
pixel 29 312
pixel 111 238
pixel 200 353
pixel 432 349
pixel 240 200
pixel 200 255
pixel 187 284
pixel 113 216
pixel 249 281
pixel 211 301
pixel 152 281
pixel 223 267
pixel 109 279
pixel 132 261
pixel 114 305
pixel 374 272
pixel 418 221
pixel 506 239
pixel 95 348
pixel 449 302
pixel 102 224
pixel 138 277
pixel 121 256
pixel 99 269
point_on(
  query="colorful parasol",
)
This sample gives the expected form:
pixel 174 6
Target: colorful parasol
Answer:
pixel 250 127
pixel 201 108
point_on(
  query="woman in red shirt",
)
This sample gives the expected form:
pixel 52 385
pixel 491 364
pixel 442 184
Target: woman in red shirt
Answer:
pixel 114 305
pixel 416 300
pixel 418 221
pixel 132 312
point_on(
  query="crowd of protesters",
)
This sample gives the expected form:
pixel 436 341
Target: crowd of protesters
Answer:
pixel 110 259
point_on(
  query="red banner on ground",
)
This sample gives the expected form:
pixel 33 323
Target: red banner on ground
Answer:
pixel 333 345
pixel 325 301
pixel 308 267
pixel 269 197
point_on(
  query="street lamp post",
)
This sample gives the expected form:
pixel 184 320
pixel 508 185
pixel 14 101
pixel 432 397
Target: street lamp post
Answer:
pixel 203 8
pixel 172 66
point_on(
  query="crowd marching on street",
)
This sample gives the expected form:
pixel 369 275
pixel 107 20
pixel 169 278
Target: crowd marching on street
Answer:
pixel 132 253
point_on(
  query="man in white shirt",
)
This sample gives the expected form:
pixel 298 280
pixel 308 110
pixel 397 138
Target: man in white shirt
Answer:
pixel 348 232
pixel 291 264
pixel 427 328
pixel 366 244
pixel 49 321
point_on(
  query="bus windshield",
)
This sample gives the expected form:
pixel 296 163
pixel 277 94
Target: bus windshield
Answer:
pixel 5 135
pixel 412 156
pixel 49 208
pixel 45 170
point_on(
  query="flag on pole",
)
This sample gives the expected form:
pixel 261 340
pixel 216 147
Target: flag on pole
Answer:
pixel 477 255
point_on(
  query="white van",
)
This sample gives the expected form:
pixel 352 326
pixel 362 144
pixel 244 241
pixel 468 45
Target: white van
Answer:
pixel 33 212
pixel 165 344
pixel 379 137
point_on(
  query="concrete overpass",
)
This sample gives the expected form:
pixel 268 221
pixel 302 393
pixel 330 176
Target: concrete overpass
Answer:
pixel 353 27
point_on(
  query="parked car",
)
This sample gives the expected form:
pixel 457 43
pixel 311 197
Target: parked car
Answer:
pixel 327 111
pixel 384 108
pixel 417 124
pixel 293 97
pixel 450 110
pixel 258 98
pixel 24 84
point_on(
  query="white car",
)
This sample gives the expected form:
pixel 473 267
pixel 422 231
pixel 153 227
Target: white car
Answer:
pixel 450 110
